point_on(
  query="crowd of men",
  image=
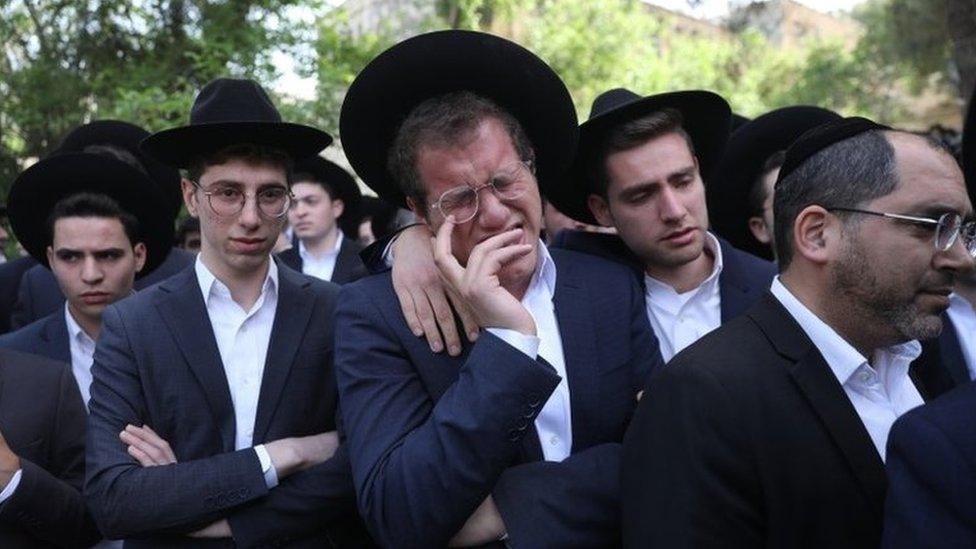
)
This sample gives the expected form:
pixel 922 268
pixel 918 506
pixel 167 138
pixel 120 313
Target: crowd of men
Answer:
pixel 659 327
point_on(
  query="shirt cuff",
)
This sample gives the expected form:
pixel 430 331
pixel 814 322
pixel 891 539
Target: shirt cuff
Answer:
pixel 267 467
pixel 388 251
pixel 11 486
pixel 528 344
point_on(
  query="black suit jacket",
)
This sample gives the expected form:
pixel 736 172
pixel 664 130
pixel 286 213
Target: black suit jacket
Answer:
pixel 47 337
pixel 39 294
pixel 348 268
pixel 42 419
pixel 157 363
pixel 747 439
pixel 10 274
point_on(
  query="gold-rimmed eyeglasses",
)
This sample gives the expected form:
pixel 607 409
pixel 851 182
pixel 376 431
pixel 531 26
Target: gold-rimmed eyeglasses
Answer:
pixel 508 184
pixel 226 200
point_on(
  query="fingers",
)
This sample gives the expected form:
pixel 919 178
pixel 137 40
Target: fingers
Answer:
pixel 428 322
pixel 468 319
pixel 484 249
pixel 408 308
pixel 491 262
pixel 449 267
pixel 445 319
pixel 146 446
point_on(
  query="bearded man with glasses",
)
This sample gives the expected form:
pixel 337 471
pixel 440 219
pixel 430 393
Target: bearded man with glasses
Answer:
pixel 220 379
pixel 772 430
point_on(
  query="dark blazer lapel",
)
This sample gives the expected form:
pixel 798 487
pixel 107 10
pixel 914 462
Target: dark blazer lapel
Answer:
pixel 736 287
pixel 185 313
pixel 826 396
pixel 55 334
pixel 575 318
pixel 295 304
pixel 292 258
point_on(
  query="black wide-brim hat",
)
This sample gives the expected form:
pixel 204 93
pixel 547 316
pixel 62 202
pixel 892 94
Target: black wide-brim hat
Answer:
pixel 127 136
pixel 746 152
pixel 338 179
pixel 969 149
pixel 433 64
pixel 37 189
pixel 706 118
pixel 227 112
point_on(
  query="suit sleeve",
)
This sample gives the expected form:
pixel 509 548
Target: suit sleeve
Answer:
pixel 421 468
pixel 686 476
pixel 576 502
pixel 128 500
pixel 48 503
pixel 930 501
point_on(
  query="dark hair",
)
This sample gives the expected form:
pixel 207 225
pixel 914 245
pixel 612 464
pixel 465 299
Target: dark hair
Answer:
pixel 632 134
pixel 188 225
pixel 441 121
pixel 757 193
pixel 845 174
pixel 308 177
pixel 93 205
pixel 252 154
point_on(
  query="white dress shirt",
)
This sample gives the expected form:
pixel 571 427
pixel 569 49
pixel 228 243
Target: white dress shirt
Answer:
pixel 554 422
pixel 243 338
pixel 321 266
pixel 82 352
pixel 679 320
pixel 880 394
pixel 964 320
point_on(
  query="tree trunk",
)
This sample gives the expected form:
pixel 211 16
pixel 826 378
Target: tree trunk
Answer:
pixel 962 30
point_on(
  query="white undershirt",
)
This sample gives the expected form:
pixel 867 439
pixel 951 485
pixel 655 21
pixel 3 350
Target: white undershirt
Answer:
pixel 679 320
pixel 880 394
pixel 321 266
pixel 243 338
pixel 554 422
pixel 964 320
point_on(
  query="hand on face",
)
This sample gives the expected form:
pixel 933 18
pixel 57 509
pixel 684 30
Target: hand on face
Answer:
pixel 478 283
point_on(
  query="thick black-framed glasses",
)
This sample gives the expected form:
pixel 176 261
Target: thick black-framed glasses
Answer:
pixel 509 184
pixel 948 227
pixel 226 201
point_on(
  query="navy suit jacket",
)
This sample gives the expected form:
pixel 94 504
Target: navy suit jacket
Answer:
pixel 42 419
pixel 430 436
pixel 157 363
pixel 743 280
pixel 348 268
pixel 39 294
pixel 932 474
pixel 46 337
pixel 942 366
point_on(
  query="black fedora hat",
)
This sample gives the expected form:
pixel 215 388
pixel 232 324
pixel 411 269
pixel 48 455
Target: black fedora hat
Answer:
pixel 127 136
pixel 433 64
pixel 969 149
pixel 706 118
pixel 745 153
pixel 37 189
pixel 230 111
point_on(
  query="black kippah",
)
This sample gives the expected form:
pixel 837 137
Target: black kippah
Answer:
pixel 817 139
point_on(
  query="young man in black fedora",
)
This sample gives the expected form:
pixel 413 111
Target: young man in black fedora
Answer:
pixel 326 197
pixel 740 196
pixel 227 364
pixel 771 431
pixel 38 292
pixel 517 438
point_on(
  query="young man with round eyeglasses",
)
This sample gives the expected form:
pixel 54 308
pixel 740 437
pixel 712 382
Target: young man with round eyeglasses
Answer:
pixel 220 379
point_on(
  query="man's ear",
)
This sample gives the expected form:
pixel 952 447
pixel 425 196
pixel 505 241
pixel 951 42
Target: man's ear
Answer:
pixel 816 234
pixel 338 206
pixel 50 255
pixel 760 231
pixel 189 196
pixel 417 211
pixel 600 209
pixel 139 250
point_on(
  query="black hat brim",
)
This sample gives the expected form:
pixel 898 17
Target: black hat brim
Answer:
pixel 437 63
pixel 746 152
pixel 127 136
pixel 40 187
pixel 338 179
pixel 969 149
pixel 179 147
pixel 707 120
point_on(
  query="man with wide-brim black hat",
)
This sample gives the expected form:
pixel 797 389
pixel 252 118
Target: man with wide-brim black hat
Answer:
pixel 220 379
pixel 642 168
pixel 740 196
pixel 518 436
pixel 91 220
pixel 326 198
pixel 38 295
